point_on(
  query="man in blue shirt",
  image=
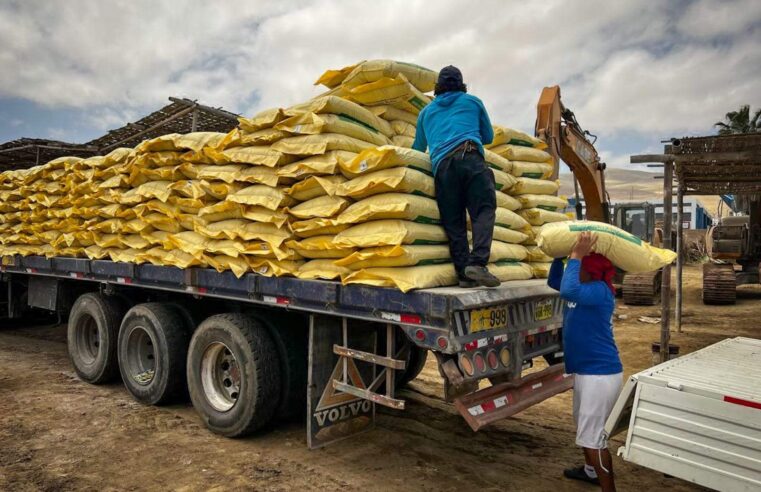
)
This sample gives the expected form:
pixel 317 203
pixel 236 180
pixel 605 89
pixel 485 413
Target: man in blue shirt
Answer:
pixel 590 353
pixel 455 126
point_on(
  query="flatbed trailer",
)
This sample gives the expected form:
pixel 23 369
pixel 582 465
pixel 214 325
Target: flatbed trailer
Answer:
pixel 255 349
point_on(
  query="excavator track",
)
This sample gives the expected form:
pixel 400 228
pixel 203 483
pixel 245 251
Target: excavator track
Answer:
pixel 642 289
pixel 719 284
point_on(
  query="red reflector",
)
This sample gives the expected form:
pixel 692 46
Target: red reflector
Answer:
pixel 478 359
pixel 492 359
pixel 745 403
pixel 442 342
pixel 420 335
pixel 409 319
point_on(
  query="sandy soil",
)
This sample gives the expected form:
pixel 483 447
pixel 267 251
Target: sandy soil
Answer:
pixel 58 433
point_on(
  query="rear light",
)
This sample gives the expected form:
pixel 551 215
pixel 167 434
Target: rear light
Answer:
pixel 504 356
pixel 443 343
pixel 492 359
pixel 466 365
pixel 479 361
pixel 420 335
pixel 530 339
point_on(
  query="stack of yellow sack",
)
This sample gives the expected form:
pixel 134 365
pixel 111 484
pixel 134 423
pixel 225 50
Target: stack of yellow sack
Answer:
pixel 534 190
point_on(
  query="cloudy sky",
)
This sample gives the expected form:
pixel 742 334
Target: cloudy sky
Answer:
pixel 634 72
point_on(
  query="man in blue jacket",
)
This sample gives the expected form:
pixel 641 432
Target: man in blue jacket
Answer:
pixel 455 127
pixel 590 353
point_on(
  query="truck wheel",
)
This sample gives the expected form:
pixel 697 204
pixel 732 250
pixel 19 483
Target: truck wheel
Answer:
pixel 92 335
pixel 290 333
pixel 153 347
pixel 415 365
pixel 233 374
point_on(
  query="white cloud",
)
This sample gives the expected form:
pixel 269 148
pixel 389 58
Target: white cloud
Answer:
pixel 653 68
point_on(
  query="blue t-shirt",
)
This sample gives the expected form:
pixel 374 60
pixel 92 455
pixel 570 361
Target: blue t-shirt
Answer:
pixel 451 119
pixel 587 321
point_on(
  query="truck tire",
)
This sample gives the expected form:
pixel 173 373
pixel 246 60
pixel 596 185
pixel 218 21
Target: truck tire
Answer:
pixel 233 374
pixel 92 334
pixel 290 332
pixel 153 348
pixel 415 365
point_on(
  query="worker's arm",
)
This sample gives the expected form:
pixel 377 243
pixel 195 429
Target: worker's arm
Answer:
pixel 484 126
pixel 556 274
pixel 420 143
pixel 571 288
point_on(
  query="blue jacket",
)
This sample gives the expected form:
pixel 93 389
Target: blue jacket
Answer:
pixel 587 321
pixel 448 121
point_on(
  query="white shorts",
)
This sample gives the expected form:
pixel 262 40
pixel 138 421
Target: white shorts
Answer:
pixel 593 400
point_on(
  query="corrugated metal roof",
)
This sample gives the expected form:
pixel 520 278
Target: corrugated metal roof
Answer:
pixel 728 368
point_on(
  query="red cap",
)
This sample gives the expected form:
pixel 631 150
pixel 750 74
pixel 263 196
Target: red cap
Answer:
pixel 599 268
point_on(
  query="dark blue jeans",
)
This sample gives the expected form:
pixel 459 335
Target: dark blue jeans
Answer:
pixel 465 183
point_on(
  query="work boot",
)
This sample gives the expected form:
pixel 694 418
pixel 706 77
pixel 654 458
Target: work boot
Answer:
pixel 578 473
pixel 482 276
pixel 465 282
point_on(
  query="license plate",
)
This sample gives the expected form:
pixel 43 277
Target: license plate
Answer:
pixel 488 319
pixel 543 310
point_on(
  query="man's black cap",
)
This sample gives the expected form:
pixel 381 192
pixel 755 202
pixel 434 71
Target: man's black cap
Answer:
pixel 450 75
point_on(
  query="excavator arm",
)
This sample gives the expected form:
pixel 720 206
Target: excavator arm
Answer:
pixel 557 125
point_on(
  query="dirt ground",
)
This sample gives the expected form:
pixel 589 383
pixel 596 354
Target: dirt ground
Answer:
pixel 58 433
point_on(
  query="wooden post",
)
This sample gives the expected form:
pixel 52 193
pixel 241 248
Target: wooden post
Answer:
pixel 680 253
pixel 194 124
pixel 668 174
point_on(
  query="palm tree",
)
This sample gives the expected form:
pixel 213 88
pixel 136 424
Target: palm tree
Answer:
pixel 740 122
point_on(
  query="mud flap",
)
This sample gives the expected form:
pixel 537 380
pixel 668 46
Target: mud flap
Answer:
pixel 506 399
pixel 331 414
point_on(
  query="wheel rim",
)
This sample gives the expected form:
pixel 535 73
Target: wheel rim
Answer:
pixel 141 358
pixel 220 376
pixel 88 340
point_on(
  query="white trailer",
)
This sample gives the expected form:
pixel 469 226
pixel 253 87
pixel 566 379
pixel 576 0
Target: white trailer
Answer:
pixel 697 417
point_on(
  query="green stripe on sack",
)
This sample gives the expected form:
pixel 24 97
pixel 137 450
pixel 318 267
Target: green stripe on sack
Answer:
pixel 507 261
pixel 349 119
pixel 433 262
pixel 596 228
pixel 420 193
pixel 506 226
pixel 548 208
pixel 426 241
pixel 532 175
pixel 499 186
pixel 522 143
pixel 421 219
pixel 424 171
pixel 417 102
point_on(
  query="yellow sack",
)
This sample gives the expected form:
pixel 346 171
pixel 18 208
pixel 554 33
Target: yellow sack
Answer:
pixel 540 269
pixel 524 186
pixel 536 255
pixel 245 230
pixel 502 180
pixel 238 172
pixel 402 141
pixel 219 189
pixel 386 157
pixel 402 128
pixel 319 144
pixel 532 235
pixel 323 269
pixel 117 181
pixel 396 91
pixel 506 201
pixel 522 153
pixel 547 202
pixel 277 268
pixel 396 256
pixel 264 119
pixel 153 189
pixel 536 170
pixel 316 165
pixel 314 124
pixel 506 271
pixel 509 220
pixel 501 251
pixel 95 252
pixel 624 250
pixel 188 188
pixel 261 195
pixel 238 138
pixel 509 235
pixel 259 155
pixel 333 78
pixel 317 227
pixel 140 175
pixel 372 70
pixel 156 221
pixel 126 255
pixel 390 113
pixel 172 257
pixel 389 233
pixel 405 278
pixel 537 216
pixel 230 210
pixel 315 186
pixel 179 142
pixel 495 161
pixel 318 247
pixel 156 159
pixel 236 264
pixel 157 238
pixel 323 206
pixel 503 135
pixel 116 156
pixel 392 206
pixel 399 179
pixel 344 107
